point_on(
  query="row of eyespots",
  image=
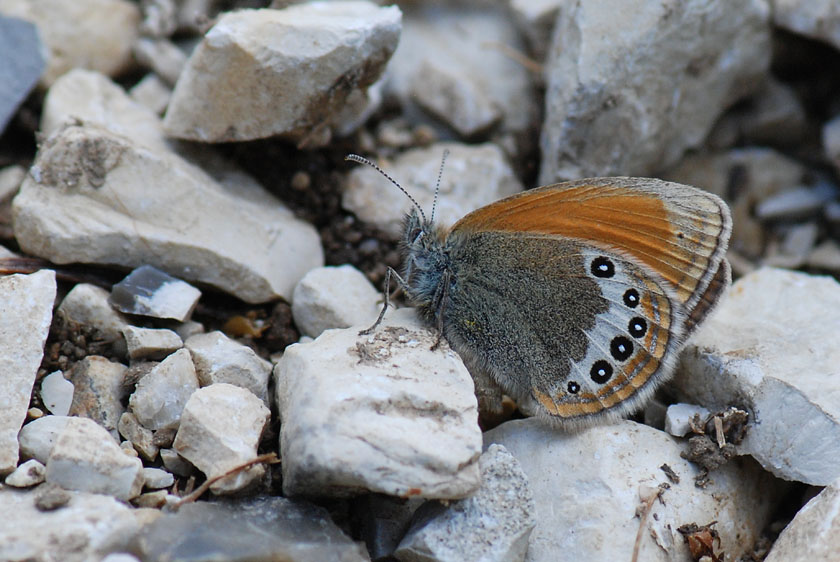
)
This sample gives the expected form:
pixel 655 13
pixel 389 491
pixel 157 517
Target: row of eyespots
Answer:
pixel 621 347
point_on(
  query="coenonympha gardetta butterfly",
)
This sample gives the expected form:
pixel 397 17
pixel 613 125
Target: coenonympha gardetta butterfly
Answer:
pixel 573 298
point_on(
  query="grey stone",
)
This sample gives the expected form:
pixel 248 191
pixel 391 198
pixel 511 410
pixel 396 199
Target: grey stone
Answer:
pixel 155 478
pixel 87 305
pixel 175 463
pixel 148 291
pixel 492 525
pixel 141 439
pixel 22 61
pixel 678 418
pixel 152 93
pixel 95 34
pixel 648 90
pixel 814 533
pixel 817 19
pixel 795 203
pixel 161 56
pixel 26 303
pixel 256 529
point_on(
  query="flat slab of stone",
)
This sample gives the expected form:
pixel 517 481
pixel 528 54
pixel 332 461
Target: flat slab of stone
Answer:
pixel 771 348
pixel 97 197
pixel 87 528
pixel 263 528
pixel 590 486
pixel 381 413
pixel 260 73
pixel 26 303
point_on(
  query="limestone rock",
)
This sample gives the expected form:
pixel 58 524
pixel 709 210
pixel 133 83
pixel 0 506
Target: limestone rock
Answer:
pixel 30 473
pixel 161 395
pixel 814 534
pixel 87 305
pixel 87 528
pixel 771 349
pixel 96 197
pixel 217 358
pixel 260 73
pixel 589 487
pixel 26 303
pixel 150 344
pixel 57 393
pixel 347 403
pixel 86 458
pixel 221 428
pixel 817 19
pixel 473 177
pixel 334 297
pixel 648 88
pixel 492 525
pixel 37 438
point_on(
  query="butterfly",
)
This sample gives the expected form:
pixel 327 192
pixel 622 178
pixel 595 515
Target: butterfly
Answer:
pixel 574 299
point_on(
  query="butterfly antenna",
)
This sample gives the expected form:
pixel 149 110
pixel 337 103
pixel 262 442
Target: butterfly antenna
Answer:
pixel 363 160
pixel 437 185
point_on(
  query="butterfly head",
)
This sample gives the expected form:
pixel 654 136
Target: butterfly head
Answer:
pixel 425 259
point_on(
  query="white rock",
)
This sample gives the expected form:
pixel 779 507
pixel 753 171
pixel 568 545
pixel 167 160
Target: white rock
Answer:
pixel 334 297
pixel 161 56
pixel 473 177
pixel 382 413
pixel 160 17
pixel 649 80
pixel 95 34
pixel 678 418
pixel 260 73
pixel 814 533
pixel 220 429
pixel 817 19
pixel 825 256
pixel 492 525
pixel 161 395
pixel 37 438
pixel 94 99
pixel 150 344
pixel 446 66
pixel 155 478
pixel 22 61
pixel 57 393
pixel 589 485
pixel 87 305
pixel 141 439
pixel 26 303
pixel 95 197
pixel 217 358
pixel 86 458
pixel 771 349
pixel 10 179
pixel 27 475
pixel 120 557
pixel 98 391
pixel 87 528
pixel 152 93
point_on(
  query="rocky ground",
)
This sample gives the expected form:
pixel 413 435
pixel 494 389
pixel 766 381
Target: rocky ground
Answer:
pixel 176 212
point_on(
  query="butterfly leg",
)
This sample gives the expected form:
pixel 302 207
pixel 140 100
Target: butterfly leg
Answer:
pixel 439 309
pixel 401 285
